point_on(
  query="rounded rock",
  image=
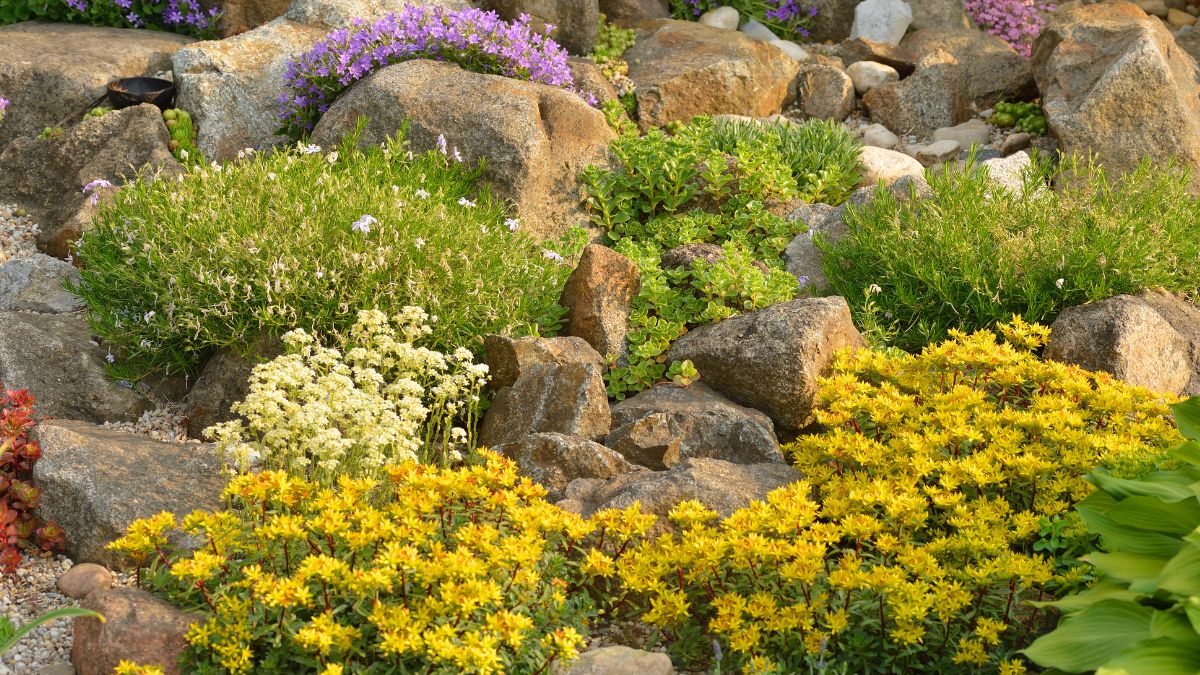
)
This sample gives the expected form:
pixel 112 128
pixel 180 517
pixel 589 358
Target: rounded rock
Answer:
pixel 82 579
pixel 725 18
pixel 791 49
pixel 866 75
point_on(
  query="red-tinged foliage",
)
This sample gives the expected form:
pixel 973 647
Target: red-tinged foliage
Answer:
pixel 20 530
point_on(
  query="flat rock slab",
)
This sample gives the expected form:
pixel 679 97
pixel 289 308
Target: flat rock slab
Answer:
pixel 51 70
pixel 97 481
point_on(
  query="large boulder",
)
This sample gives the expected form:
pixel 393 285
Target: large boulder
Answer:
pixel 508 358
pixel 46 176
pixel 1150 340
pixel 96 481
pixel 938 14
pixel 1114 83
pixel 681 69
pixel 224 380
pixel 598 297
pixel 36 284
pixel 634 12
pixel 771 359
pixel 992 70
pixel 554 460
pixel 721 486
pixel 138 627
pixel 54 357
pixel 576 22
pixel 661 427
pixel 934 96
pixel 860 49
pixel 568 399
pixel 231 87
pixel 343 13
pixel 51 71
pixel 535 138
pixel 239 16
pixel 833 19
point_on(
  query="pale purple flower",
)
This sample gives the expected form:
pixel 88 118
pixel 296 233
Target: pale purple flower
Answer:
pixel 512 224
pixel 551 255
pixel 457 155
pixel 92 187
pixel 420 243
pixel 4 104
pixel 363 224
pixel 463 201
pixel 1017 22
pixel 1059 283
pixel 309 149
pixel 441 144
pixel 422 193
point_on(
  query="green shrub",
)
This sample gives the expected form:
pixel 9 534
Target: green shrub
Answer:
pixel 305 239
pixel 1143 614
pixel 973 254
pixel 724 184
pixel 189 17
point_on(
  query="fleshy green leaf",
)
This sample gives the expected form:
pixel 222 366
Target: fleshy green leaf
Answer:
pixel 1093 637
pixel 1169 486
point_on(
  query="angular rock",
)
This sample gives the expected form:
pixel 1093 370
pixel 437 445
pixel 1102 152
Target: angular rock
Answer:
pixel 936 152
pixel 53 356
pixel 629 13
pixel 866 75
pixel 972 132
pixel 1129 338
pixel 589 79
pixel 859 49
pixel 231 86
pixel 554 460
pixel 97 481
pixel 46 177
pixel 535 138
pixel 660 427
pixel 239 16
pixel 509 358
pixel 51 70
pixel 802 257
pixel 617 660
pixel 137 627
pixel 725 18
pixel 82 579
pixel 1114 83
pixel 833 20
pixel 992 70
pixel 933 97
pixel 770 359
pixel 938 14
pixel 824 92
pixel 721 486
pixel 568 399
pixel 575 21
pixel 887 166
pixel 598 297
pixel 223 381
pixel 35 284
pixel 682 69
pixel 881 20
pixel 1184 317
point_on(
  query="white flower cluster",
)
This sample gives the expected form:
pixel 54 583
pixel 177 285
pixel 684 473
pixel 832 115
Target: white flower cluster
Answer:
pixel 319 413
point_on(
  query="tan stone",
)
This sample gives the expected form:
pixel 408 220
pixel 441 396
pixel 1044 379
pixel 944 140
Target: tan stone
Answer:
pixel 598 297
pixel 137 627
pixel 82 579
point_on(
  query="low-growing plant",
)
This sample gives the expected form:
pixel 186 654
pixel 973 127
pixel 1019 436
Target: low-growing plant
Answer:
pixel 612 42
pixel 305 238
pixel 474 39
pixel 20 528
pixel 1017 22
pixel 974 253
pixel 719 184
pixel 1143 613
pixel 381 399
pixel 464 570
pixel 183 136
pixel 788 19
pixel 1024 116
pixel 188 17
pixel 913 543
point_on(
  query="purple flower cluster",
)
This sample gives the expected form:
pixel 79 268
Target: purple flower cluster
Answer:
pixel 786 18
pixel 1017 22
pixel 474 39
pixel 182 15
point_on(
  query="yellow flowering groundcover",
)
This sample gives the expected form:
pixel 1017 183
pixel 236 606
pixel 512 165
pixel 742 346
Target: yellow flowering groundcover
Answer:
pixel 937 504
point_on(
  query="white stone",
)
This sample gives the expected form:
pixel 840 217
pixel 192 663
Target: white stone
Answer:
pixel 971 132
pixel 725 18
pixel 879 136
pixel 938 152
pixel 1008 172
pixel 889 166
pixel 758 31
pixel 867 75
pixel 791 49
pixel 881 21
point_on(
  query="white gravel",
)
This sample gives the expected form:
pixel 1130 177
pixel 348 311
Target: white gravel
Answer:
pixel 18 233
pixel 164 423
pixel 25 594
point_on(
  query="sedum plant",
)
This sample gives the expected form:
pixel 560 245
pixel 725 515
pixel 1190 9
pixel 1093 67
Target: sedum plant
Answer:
pixel 20 528
pixel 321 413
pixel 722 184
pixel 305 238
pixel 1142 615
pixel 943 261
pixel 935 507
pixel 464 570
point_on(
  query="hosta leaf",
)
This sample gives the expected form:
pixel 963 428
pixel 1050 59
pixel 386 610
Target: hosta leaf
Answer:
pixel 1105 589
pixel 1139 571
pixel 1152 513
pixel 1169 486
pixel 1181 574
pixel 1187 416
pixel 1155 657
pixel 1093 637
pixel 1097 512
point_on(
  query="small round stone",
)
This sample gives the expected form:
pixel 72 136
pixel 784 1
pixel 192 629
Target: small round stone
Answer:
pixel 82 579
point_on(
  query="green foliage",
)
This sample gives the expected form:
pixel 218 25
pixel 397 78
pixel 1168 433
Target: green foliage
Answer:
pixel 709 183
pixel 303 239
pixel 1143 614
pixel 10 635
pixel 183 136
pixel 189 19
pixel 973 254
pixel 50 133
pixel 1024 116
pixel 612 41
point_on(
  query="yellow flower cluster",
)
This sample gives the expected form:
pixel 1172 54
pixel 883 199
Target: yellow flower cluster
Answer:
pixel 455 571
pixel 918 535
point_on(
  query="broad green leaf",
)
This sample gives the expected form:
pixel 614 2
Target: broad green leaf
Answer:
pixel 1163 656
pixel 60 613
pixel 1152 513
pixel 1093 637
pixel 1188 451
pixel 1173 625
pixel 1139 571
pixel 1097 514
pixel 1170 486
pixel 1105 589
pixel 1181 574
pixel 1192 608
pixel 1187 416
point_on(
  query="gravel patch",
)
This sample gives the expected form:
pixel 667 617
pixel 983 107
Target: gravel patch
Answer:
pixel 24 595
pixel 18 233
pixel 164 423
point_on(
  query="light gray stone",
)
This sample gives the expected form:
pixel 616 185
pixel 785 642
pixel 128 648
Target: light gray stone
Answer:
pixel 1008 172
pixel 866 75
pixel 725 18
pixel 619 660
pixel 878 136
pixel 936 152
pixel 972 132
pixel 758 31
pixel 881 20
pixel 887 166
pixel 35 284
pixel 791 49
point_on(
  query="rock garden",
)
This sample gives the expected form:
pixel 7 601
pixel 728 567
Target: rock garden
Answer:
pixel 594 337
